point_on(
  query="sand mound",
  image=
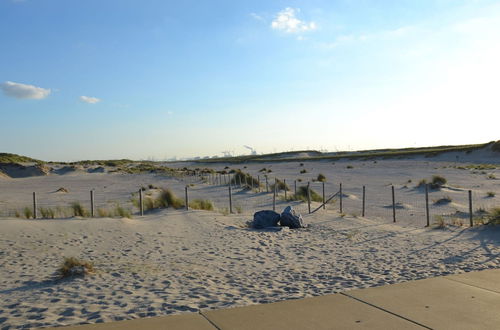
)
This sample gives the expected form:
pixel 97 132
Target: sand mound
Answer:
pixel 68 169
pixel 99 169
pixel 61 190
pixel 14 170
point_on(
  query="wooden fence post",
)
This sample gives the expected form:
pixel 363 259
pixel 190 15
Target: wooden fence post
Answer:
pixel 324 206
pixel 309 197
pixel 92 203
pixel 267 185
pixel 187 199
pixel 284 183
pixel 295 188
pixel 34 206
pixel 393 205
pixel 340 197
pixel 230 200
pixel 470 209
pixel 274 196
pixel 258 181
pixel 141 202
pixel 427 215
pixel 364 199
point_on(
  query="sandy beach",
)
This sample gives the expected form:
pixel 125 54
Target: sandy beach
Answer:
pixel 175 261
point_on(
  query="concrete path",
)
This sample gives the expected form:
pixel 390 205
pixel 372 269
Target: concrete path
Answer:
pixel 465 301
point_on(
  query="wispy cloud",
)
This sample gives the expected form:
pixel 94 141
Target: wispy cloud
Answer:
pixel 24 91
pixel 89 99
pixel 256 16
pixel 287 21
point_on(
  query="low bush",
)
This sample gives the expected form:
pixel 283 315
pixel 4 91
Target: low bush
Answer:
pixel 321 178
pixel 437 181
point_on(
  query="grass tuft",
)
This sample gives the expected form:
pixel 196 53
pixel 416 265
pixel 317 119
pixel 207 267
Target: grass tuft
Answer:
pixel 75 267
pixel 168 199
pixel 321 178
pixel 79 210
pixel 202 204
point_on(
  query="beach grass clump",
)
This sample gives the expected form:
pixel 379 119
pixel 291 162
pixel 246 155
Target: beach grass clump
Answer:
pixel 491 176
pixel 437 181
pixel 119 211
pixel 439 222
pixel 349 167
pixel 493 216
pixel 490 194
pixel 321 178
pixel 75 267
pixel 28 213
pixel 79 210
pixel 167 198
pixel 244 178
pixel 280 185
pixel 47 212
pixel 102 213
pixel 202 204
pixel 301 195
pixel 303 171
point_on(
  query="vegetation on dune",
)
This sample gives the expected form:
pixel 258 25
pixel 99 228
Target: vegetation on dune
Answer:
pixel 321 178
pixel 244 178
pixel 75 267
pixel 490 194
pixel 202 204
pixel 362 154
pixel 496 146
pixel 436 182
pixel 13 158
pixel 79 210
pixel 301 195
pixel 167 198
pixel 280 185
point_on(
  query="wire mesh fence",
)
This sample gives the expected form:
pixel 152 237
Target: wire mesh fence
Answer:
pixel 242 194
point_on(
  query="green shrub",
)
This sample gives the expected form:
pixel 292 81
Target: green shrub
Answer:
pixel 321 178
pixel 202 204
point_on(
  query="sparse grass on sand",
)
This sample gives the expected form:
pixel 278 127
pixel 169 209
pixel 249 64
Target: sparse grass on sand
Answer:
pixel 75 267
pixel 244 178
pixel 321 178
pixel 436 182
pixel 439 222
pixel 443 200
pixel 490 194
pixel 202 204
pixel 280 185
pixel 79 210
pixel 302 195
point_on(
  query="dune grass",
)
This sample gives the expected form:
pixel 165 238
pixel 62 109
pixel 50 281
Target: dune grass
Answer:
pixel 490 194
pixel 301 195
pixel 202 204
pixel 73 266
pixel 321 178
pixel 167 198
pixel 280 185
pixel 242 177
pixel 79 210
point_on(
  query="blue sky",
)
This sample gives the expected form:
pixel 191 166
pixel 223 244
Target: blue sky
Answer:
pixel 161 79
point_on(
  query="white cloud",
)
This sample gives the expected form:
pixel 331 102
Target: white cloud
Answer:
pixel 257 16
pixel 89 99
pixel 23 91
pixel 286 21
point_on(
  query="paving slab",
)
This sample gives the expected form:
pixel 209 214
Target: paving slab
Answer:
pixel 190 321
pixel 325 312
pixel 486 279
pixel 437 303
